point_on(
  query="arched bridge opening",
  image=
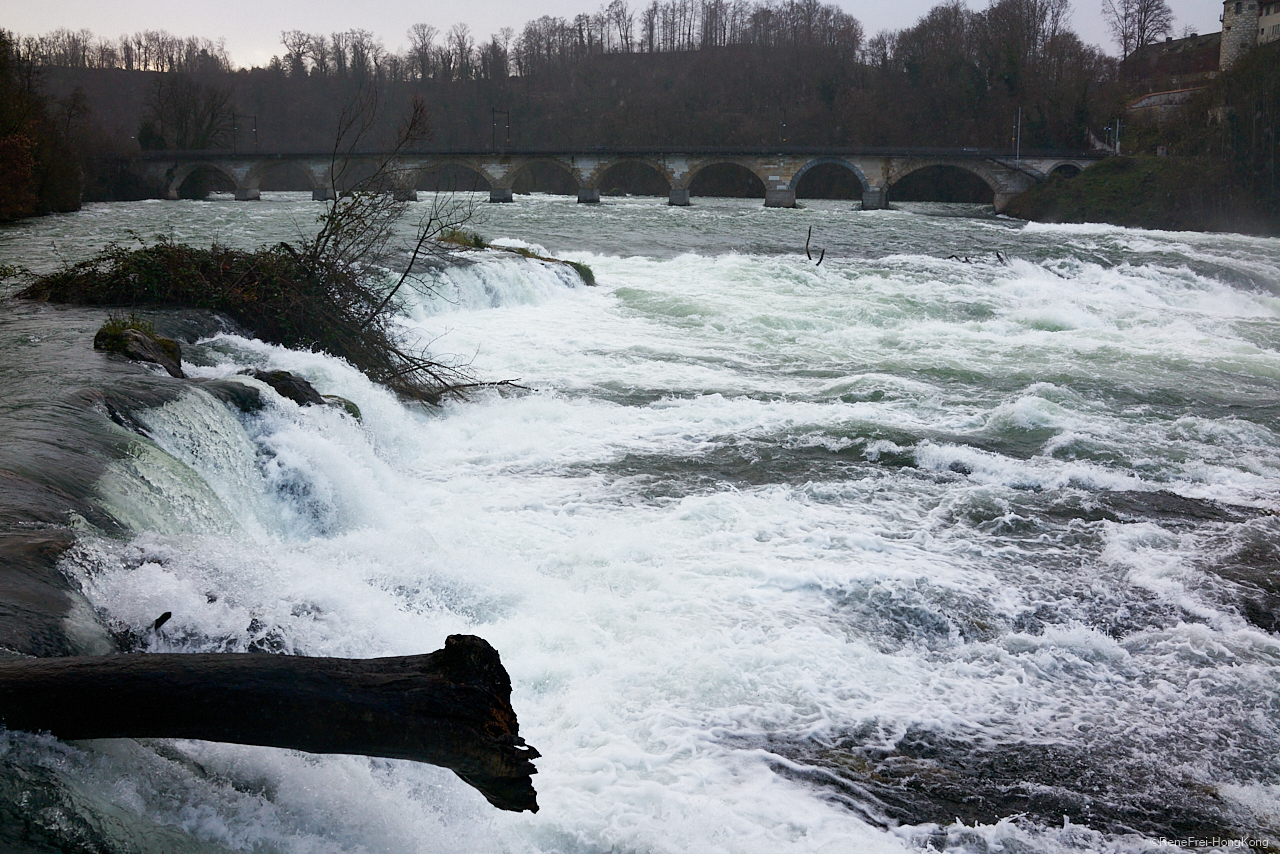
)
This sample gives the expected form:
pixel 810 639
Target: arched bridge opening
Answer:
pixel 942 183
pixel 829 179
pixel 452 178
pixel 633 178
pixel 727 180
pixel 284 177
pixel 1065 170
pixel 204 180
pixel 544 176
pixel 358 175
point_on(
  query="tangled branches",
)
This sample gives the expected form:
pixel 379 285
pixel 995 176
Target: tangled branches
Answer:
pixel 334 291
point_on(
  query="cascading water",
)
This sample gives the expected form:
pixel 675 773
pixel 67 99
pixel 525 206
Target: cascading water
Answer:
pixel 899 550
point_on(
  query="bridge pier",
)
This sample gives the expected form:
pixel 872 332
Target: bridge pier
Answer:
pixel 405 195
pixel 875 199
pixel 171 194
pixel 779 198
pixel 588 196
pixel 248 194
pixel 327 194
pixel 1001 200
pixel 679 197
pixel 500 194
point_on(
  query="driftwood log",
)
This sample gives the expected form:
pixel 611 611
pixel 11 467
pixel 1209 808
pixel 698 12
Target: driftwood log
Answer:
pixel 450 708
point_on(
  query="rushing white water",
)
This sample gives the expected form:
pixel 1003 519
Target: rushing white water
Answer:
pixel 760 530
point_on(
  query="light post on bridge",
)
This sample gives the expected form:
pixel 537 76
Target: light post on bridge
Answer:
pixel 493 132
pixel 235 130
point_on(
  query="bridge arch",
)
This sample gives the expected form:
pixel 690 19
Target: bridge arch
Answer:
pixel 1065 169
pixel 451 178
pixel 991 185
pixel 645 176
pixel 545 175
pixel 264 169
pixel 721 178
pixel 359 173
pixel 830 161
pixel 183 171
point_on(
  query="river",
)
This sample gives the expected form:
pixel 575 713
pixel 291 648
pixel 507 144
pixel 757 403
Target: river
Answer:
pixel 966 537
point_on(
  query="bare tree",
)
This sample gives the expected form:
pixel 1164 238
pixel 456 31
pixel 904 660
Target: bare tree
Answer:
pixel 463 49
pixel 320 54
pixel 296 46
pixel 358 242
pixel 422 38
pixel 1153 20
pixel 1137 23
pixel 622 19
pixel 187 115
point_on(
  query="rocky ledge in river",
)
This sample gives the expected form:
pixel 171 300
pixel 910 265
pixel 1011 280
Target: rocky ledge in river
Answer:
pixel 137 340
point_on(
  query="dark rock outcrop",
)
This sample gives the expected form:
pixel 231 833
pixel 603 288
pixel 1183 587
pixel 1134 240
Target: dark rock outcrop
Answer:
pixel 289 385
pixel 140 345
pixel 240 395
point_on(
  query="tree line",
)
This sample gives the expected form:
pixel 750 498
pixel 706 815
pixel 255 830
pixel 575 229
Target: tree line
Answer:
pixel 39 168
pixel 150 50
pixel 673 72
pixel 553 42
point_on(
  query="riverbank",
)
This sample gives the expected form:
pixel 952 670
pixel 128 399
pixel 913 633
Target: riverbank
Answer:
pixel 1167 193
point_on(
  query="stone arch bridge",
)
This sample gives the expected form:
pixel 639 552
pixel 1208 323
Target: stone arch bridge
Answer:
pixel 876 170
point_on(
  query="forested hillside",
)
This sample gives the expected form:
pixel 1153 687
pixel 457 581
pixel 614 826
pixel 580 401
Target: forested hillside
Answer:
pixel 679 72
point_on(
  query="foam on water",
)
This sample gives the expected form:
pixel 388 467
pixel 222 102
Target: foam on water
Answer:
pixel 756 516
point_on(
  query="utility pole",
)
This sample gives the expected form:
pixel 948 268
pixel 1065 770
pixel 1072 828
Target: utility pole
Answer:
pixel 1117 137
pixel 1017 155
pixel 493 135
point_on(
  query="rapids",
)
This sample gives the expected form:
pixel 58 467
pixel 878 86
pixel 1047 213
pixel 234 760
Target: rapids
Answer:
pixel 966 538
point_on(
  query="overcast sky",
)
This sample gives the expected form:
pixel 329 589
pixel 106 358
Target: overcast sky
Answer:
pixel 252 27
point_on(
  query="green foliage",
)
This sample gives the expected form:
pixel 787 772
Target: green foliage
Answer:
pixel 38 169
pixel 472 240
pixel 111 337
pixel 466 239
pixel 588 275
pixel 280 294
pixel 1237 120
pixel 1222 176
pixel 116 325
pixel 1174 193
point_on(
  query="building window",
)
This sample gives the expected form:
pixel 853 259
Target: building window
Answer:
pixel 1239 8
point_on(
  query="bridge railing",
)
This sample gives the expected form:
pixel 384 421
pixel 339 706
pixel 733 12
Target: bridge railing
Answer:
pixel 637 151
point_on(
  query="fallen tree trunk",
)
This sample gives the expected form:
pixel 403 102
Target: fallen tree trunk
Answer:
pixel 450 708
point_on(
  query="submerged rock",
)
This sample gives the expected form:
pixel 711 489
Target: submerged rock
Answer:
pixel 289 385
pixel 137 341
pixel 345 405
pixel 241 395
